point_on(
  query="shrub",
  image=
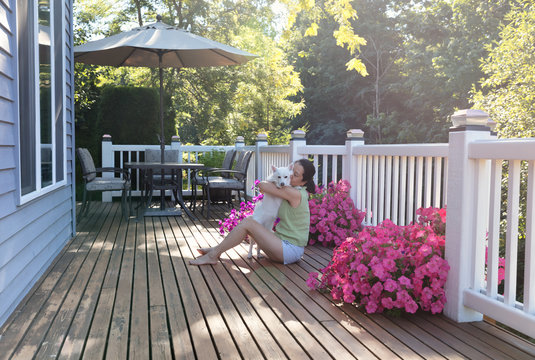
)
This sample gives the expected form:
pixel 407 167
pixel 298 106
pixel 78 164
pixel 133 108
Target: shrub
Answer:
pixel 131 115
pixel 390 267
pixel 393 268
pixel 333 215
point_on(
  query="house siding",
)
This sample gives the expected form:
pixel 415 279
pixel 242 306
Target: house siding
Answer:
pixel 32 234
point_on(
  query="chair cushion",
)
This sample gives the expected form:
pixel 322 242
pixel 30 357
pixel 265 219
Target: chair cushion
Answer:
pixel 200 180
pixel 105 184
pixel 218 182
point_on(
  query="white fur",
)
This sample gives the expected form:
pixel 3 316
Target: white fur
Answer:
pixel 265 212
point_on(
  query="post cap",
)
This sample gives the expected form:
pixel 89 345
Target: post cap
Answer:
pixel 355 134
pixel 106 137
pixel 298 134
pixel 491 124
pixel 261 137
pixel 469 117
pixel 175 138
pixel 240 139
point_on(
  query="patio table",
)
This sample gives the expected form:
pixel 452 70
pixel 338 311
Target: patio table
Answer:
pixel 173 182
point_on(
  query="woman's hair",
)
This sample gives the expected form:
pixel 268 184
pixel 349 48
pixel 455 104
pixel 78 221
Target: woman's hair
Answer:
pixel 308 174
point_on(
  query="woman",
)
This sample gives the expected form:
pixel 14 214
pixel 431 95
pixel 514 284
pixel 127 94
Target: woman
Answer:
pixel 287 244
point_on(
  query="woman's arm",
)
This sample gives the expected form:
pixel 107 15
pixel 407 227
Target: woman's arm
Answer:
pixel 286 192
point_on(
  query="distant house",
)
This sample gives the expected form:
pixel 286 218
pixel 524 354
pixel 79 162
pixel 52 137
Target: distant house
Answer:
pixel 37 204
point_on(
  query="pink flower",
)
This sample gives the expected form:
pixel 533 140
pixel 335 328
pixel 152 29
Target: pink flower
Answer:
pixel 403 280
pixel 362 270
pixel 371 307
pixel 437 307
pixel 312 280
pixel 379 271
pixel 387 302
pixel 390 285
pixel 411 306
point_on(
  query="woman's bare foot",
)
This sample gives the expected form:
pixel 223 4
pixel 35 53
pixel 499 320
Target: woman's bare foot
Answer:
pixel 206 259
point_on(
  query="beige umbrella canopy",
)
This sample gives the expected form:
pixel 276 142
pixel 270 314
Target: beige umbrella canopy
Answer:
pixel 159 45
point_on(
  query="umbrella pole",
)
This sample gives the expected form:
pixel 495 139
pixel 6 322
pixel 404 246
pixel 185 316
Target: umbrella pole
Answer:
pixel 162 136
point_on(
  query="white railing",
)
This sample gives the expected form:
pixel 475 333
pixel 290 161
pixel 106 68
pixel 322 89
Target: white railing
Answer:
pixel 115 155
pixel 476 199
pixel 393 181
pixel 493 163
pixel 396 180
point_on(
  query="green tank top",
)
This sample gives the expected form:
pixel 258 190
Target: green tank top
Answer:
pixel 294 224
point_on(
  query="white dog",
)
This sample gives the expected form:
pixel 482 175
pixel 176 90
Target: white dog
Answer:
pixel 265 212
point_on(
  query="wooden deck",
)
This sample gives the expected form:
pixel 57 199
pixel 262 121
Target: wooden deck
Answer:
pixel 124 290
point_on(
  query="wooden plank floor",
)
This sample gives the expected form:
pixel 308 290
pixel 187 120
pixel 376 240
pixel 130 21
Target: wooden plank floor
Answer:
pixel 124 290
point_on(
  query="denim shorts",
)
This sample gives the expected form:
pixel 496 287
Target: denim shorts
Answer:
pixel 291 253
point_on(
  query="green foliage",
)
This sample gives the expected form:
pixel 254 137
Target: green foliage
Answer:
pixel 444 42
pixel 213 158
pixel 422 59
pixel 340 12
pixel 211 105
pixel 86 105
pixel 131 115
pixel 336 99
pixel 508 89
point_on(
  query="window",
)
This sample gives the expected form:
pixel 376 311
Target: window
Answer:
pixel 40 74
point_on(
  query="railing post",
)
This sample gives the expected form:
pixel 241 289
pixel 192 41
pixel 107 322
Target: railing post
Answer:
pixel 298 139
pixel 239 143
pixel 107 161
pixel 261 140
pixel 462 250
pixel 354 138
pixel 175 145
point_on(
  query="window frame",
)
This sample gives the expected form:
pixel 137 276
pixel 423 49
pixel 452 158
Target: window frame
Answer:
pixel 57 101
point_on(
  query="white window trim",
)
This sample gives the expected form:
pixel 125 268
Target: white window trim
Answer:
pixel 40 191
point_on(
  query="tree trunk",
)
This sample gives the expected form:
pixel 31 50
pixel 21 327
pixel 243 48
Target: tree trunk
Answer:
pixel 138 8
pixel 377 74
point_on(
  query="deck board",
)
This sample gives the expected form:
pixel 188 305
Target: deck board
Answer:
pixel 124 290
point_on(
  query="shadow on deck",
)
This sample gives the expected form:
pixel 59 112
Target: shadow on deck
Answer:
pixel 125 290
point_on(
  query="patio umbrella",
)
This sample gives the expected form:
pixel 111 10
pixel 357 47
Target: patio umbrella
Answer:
pixel 159 45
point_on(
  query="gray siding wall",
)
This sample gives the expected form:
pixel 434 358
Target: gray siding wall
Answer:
pixel 32 234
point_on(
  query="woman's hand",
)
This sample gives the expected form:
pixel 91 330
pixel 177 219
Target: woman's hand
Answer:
pixel 265 185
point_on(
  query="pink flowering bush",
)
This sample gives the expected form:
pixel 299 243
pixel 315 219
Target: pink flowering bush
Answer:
pixel 333 215
pixel 390 267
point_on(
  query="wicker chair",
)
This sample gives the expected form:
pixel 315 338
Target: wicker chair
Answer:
pixel 169 180
pixel 93 183
pixel 229 180
pixel 200 178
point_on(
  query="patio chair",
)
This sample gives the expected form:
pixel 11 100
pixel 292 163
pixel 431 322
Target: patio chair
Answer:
pixel 236 180
pixel 169 181
pixel 199 178
pixel 93 183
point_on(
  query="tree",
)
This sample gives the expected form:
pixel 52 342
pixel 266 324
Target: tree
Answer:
pixel 508 90
pixel 444 42
pixel 213 104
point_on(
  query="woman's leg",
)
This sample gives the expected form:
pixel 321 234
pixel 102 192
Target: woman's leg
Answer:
pixel 266 240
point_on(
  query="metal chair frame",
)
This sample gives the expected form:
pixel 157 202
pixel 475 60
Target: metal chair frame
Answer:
pixel 93 183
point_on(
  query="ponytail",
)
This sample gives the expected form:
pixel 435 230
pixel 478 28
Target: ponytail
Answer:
pixel 311 186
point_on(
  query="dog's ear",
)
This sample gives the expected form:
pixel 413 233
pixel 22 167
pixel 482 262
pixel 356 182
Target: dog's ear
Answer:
pixel 273 168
